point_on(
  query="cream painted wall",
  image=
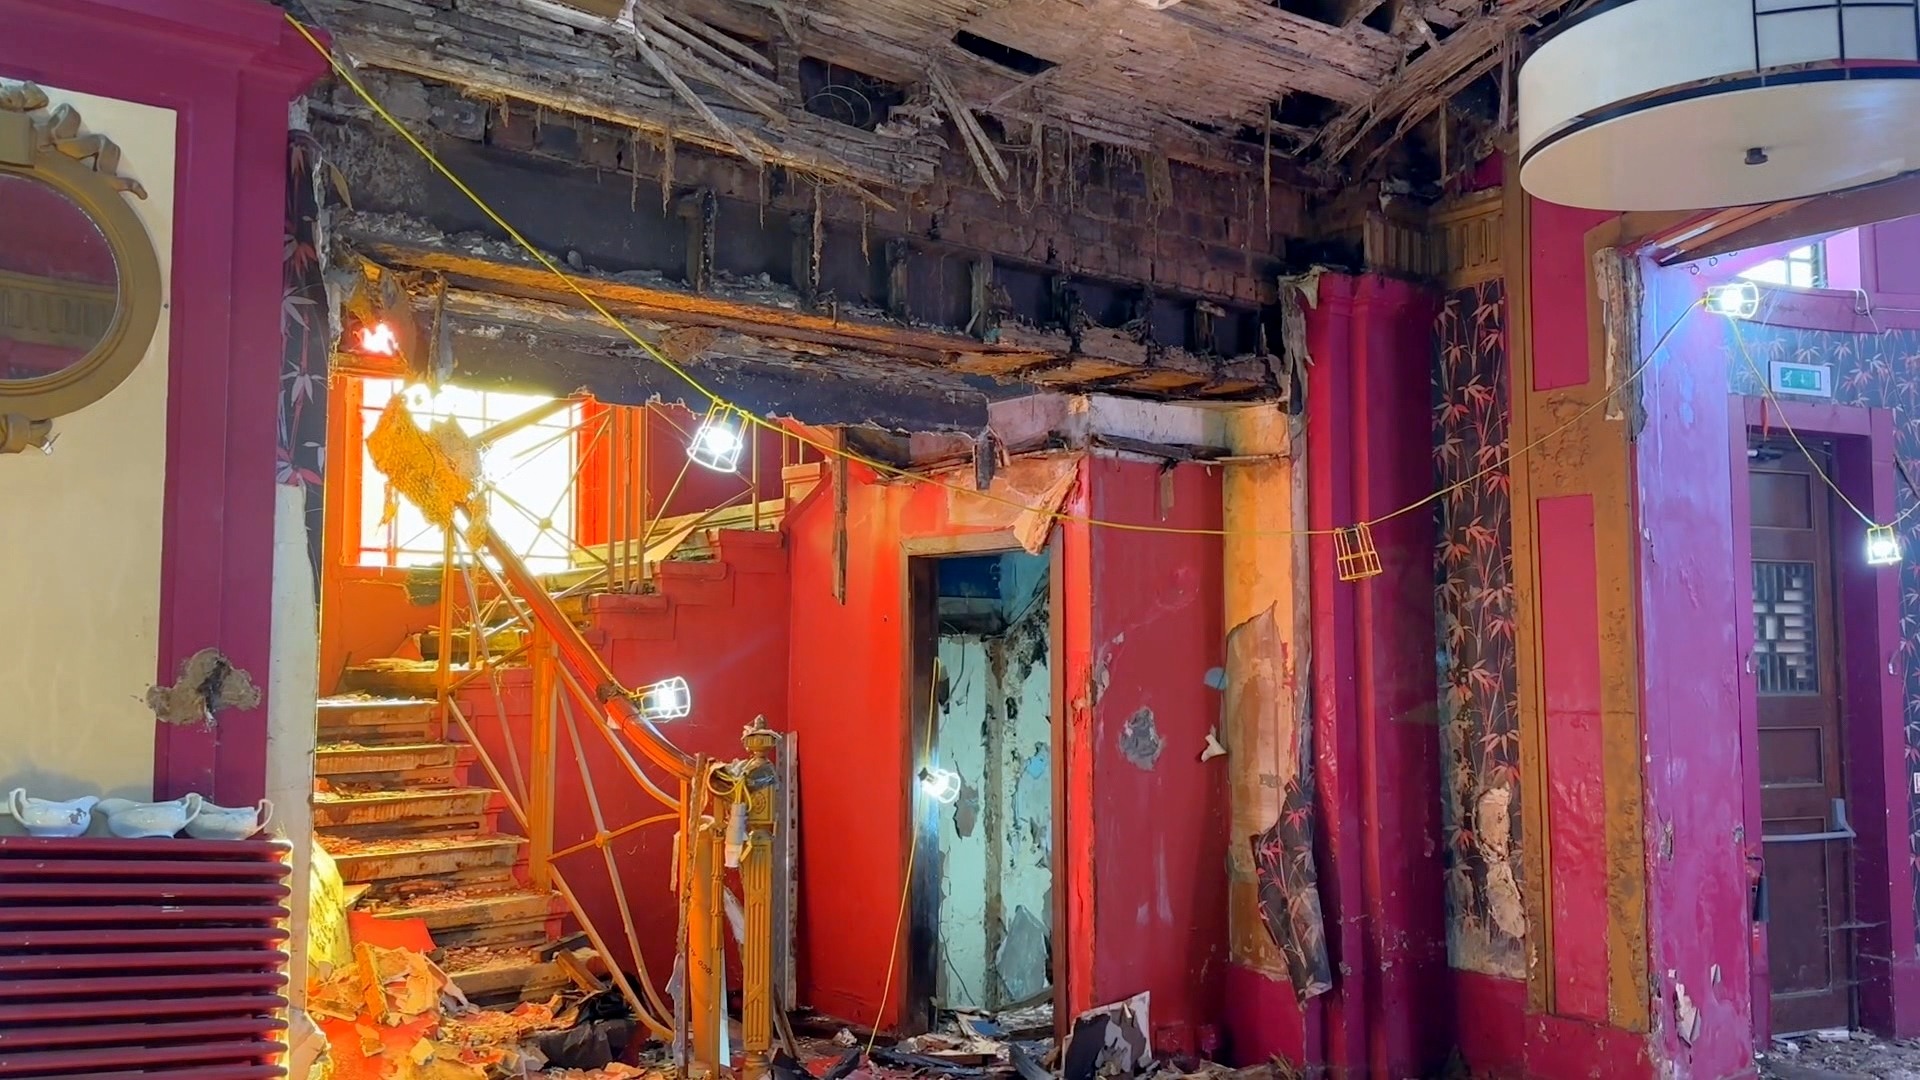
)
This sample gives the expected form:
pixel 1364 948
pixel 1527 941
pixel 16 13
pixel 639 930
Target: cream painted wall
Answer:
pixel 80 550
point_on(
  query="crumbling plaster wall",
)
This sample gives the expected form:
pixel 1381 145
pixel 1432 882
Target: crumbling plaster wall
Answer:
pixel 994 729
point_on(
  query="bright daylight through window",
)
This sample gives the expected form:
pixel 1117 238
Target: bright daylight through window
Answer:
pixel 529 475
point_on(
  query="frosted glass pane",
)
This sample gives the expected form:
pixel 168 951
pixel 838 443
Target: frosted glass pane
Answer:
pixel 1798 37
pixel 1881 34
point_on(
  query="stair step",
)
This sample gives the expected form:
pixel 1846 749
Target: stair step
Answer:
pixel 465 858
pixel 417 679
pixel 493 917
pixel 498 643
pixel 378 721
pixel 333 809
pixel 509 974
pixel 454 908
pixel 392 764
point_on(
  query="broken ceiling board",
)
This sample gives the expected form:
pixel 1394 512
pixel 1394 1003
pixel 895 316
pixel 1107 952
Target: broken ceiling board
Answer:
pixel 518 50
pixel 837 389
pixel 1477 45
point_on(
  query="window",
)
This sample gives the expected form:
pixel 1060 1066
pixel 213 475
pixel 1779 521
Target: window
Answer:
pixel 529 476
pixel 1802 268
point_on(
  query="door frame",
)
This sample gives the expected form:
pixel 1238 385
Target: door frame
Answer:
pixel 1872 674
pixel 917 558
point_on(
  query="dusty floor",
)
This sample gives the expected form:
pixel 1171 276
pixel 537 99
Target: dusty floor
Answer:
pixel 1839 1056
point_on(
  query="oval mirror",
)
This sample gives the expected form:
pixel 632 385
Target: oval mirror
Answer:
pixel 59 285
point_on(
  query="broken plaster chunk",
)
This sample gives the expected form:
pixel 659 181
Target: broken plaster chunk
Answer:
pixel 208 682
pixel 1213 748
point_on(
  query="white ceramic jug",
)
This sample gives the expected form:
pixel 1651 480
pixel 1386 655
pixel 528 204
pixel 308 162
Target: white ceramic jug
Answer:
pixel 44 817
pixel 132 820
pixel 229 822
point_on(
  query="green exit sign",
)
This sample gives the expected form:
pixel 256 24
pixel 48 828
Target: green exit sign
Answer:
pixel 1807 380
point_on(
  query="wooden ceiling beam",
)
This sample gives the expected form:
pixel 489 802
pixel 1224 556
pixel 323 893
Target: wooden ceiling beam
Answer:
pixel 1819 216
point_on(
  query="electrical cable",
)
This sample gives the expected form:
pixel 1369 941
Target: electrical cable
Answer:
pixel 880 467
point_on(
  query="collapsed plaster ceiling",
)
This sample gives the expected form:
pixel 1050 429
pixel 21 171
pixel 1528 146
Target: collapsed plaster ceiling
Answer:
pixel 866 92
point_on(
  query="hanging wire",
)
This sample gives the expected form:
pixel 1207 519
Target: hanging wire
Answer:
pixel 880 467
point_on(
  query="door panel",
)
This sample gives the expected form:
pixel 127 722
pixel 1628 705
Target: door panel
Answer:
pixel 1795 666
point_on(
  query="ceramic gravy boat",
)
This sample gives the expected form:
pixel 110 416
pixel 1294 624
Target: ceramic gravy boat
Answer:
pixel 229 822
pixel 132 820
pixel 44 817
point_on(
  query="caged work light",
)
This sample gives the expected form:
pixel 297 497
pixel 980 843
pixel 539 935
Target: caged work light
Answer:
pixel 668 699
pixel 720 439
pixel 1883 546
pixel 940 785
pixel 1739 300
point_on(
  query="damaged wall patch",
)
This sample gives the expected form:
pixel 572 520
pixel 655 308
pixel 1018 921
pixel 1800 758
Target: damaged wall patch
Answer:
pixel 1140 740
pixel 208 682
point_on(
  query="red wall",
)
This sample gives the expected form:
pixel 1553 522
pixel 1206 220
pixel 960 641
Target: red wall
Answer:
pixel 228 68
pixel 848 701
pixel 1160 834
pixel 723 627
pixel 1140 851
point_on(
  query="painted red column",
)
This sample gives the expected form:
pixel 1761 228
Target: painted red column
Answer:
pixel 228 68
pixel 1369 454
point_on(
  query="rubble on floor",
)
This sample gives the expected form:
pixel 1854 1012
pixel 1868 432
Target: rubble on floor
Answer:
pixel 1841 1055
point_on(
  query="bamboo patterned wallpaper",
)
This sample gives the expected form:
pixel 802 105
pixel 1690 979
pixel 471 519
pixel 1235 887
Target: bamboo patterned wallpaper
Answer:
pixel 306 337
pixel 1880 371
pixel 1474 600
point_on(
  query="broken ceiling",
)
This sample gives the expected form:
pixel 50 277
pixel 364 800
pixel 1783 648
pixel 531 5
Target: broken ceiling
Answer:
pixel 862 91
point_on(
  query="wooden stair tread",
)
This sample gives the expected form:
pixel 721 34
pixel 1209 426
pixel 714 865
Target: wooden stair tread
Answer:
pixel 350 749
pixel 407 845
pixel 455 908
pixel 411 794
pixel 509 972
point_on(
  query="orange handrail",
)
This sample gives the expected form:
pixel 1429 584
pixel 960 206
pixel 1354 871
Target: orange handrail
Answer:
pixel 582 661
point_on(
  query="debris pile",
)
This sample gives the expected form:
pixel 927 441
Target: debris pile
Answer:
pixel 1838 1054
pixel 379 993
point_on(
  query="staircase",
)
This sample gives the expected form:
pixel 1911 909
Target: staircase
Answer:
pixel 412 818
pixel 414 837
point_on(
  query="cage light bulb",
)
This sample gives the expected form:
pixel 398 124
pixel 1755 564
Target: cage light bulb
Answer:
pixel 1739 300
pixel 1883 546
pixel 718 441
pixel 668 699
pixel 940 785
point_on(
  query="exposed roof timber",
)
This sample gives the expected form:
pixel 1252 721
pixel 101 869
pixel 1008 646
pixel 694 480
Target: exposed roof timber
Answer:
pixel 1895 198
pixel 1477 44
pixel 769 321
pixel 515 50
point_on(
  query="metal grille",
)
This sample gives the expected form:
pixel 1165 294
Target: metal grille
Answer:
pixel 1785 651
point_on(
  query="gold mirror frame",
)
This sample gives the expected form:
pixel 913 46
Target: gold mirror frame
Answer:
pixel 49 148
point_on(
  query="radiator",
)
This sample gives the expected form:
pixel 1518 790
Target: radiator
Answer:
pixel 142 958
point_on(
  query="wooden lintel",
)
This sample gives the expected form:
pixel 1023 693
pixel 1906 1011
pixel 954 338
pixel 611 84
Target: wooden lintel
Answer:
pixel 669 305
pixel 1779 222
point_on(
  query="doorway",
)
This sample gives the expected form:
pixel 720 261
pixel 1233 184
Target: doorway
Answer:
pixel 1797 661
pixel 983 917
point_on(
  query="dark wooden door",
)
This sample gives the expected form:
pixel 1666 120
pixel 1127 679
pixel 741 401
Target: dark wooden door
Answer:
pixel 1807 841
